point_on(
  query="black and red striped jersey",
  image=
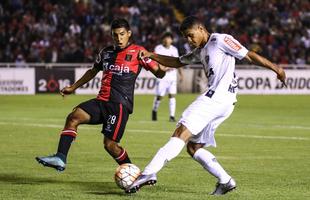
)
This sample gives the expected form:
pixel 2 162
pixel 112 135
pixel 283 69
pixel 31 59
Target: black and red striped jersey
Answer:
pixel 120 70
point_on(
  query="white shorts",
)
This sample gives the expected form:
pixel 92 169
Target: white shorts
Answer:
pixel 164 86
pixel 202 118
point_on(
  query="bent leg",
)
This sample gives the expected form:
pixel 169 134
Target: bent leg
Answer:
pixel 117 152
pixel 193 147
pixel 169 151
pixel 69 133
pixel 76 117
pixel 208 161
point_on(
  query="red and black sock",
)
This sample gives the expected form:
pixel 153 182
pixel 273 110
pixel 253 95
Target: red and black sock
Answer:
pixel 122 158
pixel 66 138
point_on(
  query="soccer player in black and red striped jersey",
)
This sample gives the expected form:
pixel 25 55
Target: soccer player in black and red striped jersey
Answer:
pixel 120 65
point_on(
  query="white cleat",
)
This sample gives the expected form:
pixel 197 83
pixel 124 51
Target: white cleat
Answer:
pixel 141 181
pixel 223 188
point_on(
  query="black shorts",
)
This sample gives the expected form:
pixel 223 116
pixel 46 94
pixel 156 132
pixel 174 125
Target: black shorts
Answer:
pixel 112 116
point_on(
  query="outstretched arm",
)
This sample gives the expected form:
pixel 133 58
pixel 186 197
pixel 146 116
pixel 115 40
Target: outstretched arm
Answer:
pixel 168 61
pixel 261 61
pixel 89 74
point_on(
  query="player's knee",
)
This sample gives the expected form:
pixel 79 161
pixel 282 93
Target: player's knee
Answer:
pixel 190 149
pixel 193 147
pixel 73 120
pixel 109 145
pixel 77 117
pixel 183 133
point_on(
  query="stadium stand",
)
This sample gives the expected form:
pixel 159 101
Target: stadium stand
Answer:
pixel 73 31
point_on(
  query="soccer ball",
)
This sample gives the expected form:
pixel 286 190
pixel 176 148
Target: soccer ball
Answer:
pixel 126 174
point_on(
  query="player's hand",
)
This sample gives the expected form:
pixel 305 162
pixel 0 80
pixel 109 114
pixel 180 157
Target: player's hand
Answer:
pixel 144 54
pixel 281 76
pixel 66 90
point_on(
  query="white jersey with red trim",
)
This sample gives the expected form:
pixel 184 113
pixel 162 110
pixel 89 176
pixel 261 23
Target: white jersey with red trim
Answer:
pixel 218 59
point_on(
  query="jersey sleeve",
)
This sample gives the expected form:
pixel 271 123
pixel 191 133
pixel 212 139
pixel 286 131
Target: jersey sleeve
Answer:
pixel 191 58
pixel 147 63
pixel 99 60
pixel 230 45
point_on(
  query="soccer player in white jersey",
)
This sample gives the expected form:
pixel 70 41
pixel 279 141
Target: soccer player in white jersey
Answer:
pixel 217 53
pixel 169 83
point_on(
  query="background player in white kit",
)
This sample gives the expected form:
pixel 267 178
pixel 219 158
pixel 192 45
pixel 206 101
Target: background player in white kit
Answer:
pixel 169 83
pixel 217 53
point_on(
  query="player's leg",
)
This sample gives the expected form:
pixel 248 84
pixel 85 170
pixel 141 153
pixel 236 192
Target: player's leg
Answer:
pixel 169 151
pixel 116 116
pixel 165 154
pixel 78 116
pixel 116 151
pixel 160 91
pixel 172 90
pixel 156 103
pixel 194 119
pixel 209 162
pixel 69 133
pixel 206 138
pixel 172 105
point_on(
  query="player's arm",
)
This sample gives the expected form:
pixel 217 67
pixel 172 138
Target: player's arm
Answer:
pixel 158 70
pixel 261 61
pixel 168 61
pixel 89 74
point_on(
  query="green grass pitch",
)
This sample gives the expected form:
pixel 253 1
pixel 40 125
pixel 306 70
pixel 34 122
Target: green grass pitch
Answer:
pixel 264 145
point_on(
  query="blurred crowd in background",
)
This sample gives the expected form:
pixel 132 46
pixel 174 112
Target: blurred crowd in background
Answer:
pixel 74 31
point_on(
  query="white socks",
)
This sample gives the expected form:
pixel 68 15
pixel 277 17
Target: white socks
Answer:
pixel 208 161
pixel 172 104
pixel 156 104
pixel 171 149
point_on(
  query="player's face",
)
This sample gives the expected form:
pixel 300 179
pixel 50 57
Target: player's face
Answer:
pixel 121 37
pixel 167 41
pixel 194 35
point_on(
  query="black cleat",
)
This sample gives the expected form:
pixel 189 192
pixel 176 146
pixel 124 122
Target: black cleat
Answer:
pixel 171 119
pixel 154 115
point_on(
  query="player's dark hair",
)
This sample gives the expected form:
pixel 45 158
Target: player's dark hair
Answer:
pixel 189 22
pixel 167 34
pixel 120 23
